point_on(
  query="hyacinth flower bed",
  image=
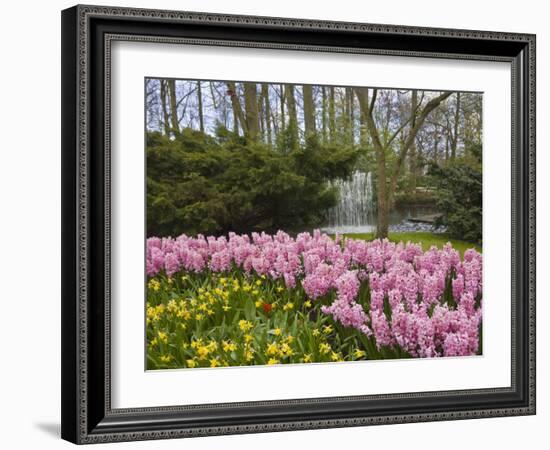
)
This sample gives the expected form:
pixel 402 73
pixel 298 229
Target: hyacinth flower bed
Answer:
pixel 273 299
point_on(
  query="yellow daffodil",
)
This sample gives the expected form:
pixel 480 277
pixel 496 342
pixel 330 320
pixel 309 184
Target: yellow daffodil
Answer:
pixel 272 361
pixel 324 348
pixel 191 363
pixel 286 349
pixel 212 346
pixel 202 352
pixel 245 325
pixel 307 357
pixel 172 306
pixel 153 313
pixel 277 331
pixel 163 337
pixel 327 329
pixel 166 358
pixel 229 346
pixel 358 353
pixel 183 314
pixel 214 362
pixel 154 284
pixel 307 303
pixel 316 332
pixel 272 349
pixel 196 344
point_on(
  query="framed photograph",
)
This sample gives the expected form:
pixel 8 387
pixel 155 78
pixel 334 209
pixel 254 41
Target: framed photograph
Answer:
pixel 281 224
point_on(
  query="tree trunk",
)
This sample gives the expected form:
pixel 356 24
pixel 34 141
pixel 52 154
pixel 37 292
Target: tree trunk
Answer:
pixel 235 123
pixel 324 114
pixel 436 145
pixel 419 167
pixel 363 131
pixel 412 156
pixel 238 115
pixel 261 116
pixel 349 94
pixel 267 111
pixel 454 142
pixel 346 116
pixel 382 197
pixel 282 97
pixel 292 116
pixel 163 100
pixel 213 95
pixel 201 115
pixel 251 108
pixel 173 107
pixel 447 147
pixel 309 111
pixel 331 115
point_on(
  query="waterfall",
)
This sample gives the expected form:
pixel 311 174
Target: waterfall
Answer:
pixel 355 210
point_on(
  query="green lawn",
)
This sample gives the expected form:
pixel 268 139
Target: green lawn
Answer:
pixel 425 239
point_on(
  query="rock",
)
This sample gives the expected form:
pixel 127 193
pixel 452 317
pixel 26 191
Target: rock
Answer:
pixel 407 226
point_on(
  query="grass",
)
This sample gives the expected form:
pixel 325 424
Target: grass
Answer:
pixel 425 239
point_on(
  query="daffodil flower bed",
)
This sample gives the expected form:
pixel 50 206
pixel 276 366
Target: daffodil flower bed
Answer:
pixel 273 299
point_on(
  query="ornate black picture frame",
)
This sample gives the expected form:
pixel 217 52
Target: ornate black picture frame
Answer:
pixel 87 34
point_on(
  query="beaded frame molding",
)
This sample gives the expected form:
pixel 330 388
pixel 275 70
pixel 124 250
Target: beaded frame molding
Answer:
pixel 87 35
